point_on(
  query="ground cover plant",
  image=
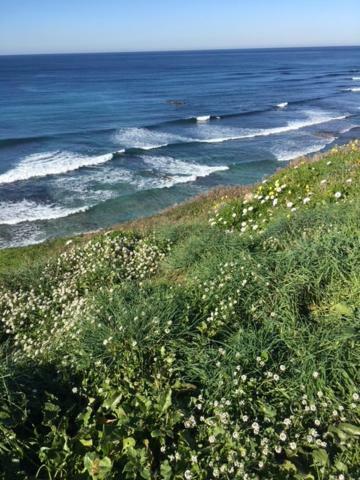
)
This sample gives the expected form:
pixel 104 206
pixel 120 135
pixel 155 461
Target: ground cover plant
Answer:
pixel 217 341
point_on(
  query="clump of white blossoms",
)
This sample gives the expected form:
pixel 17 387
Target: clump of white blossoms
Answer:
pixel 47 317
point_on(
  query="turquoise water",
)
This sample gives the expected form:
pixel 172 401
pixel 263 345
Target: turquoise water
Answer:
pixel 87 141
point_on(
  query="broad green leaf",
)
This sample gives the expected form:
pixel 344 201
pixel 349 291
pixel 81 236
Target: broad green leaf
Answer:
pixel 167 401
pixel 341 467
pixel 87 442
pixel 288 466
pixel 98 468
pixel 350 429
pixel 343 310
pixel 166 471
pixel 320 457
pixel 128 443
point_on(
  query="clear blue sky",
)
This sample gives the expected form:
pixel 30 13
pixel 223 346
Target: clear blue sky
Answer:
pixel 46 26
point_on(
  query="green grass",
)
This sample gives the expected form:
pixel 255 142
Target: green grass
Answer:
pixel 219 339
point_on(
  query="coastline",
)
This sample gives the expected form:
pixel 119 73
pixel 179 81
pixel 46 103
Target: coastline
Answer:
pixel 197 206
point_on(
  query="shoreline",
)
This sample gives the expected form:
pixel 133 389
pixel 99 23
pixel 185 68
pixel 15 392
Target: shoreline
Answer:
pixel 184 212
pixel 144 222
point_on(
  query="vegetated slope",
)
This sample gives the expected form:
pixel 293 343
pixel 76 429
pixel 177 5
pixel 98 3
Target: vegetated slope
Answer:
pixel 219 340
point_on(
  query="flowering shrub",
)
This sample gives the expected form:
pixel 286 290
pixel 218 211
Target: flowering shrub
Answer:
pixel 287 192
pixel 44 319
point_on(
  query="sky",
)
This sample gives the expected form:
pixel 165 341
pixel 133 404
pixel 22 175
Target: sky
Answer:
pixel 69 26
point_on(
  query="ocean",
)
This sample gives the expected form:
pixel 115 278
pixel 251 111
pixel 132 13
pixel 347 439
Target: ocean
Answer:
pixel 90 140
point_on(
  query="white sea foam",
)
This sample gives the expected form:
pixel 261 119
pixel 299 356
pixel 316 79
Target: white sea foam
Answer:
pixel 290 152
pixel 347 129
pixel 12 213
pixel 356 79
pixel 175 171
pixel 51 163
pixel 356 89
pixel 203 118
pixel 312 120
pixel 282 105
pixel 145 139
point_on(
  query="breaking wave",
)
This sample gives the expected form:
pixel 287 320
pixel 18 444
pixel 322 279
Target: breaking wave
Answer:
pixel 12 213
pixel 51 163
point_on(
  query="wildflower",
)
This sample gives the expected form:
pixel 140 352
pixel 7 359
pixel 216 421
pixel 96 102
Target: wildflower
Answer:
pixel 355 397
pixel 337 195
pixel 275 201
pixel 283 436
pixel 282 368
pixel 256 427
pixel 292 445
pixel 289 204
pixel 190 423
pixel 212 439
pixel 187 475
pixel 315 375
pixel 306 200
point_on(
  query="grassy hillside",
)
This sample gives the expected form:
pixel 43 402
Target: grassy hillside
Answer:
pixel 218 340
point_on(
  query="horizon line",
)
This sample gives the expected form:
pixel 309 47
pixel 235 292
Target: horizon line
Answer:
pixel 178 50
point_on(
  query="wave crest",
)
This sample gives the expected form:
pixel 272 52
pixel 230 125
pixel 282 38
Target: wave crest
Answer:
pixel 175 171
pixel 145 138
pixel 292 152
pixel 203 118
pixel 12 213
pixel 51 163
pixel 312 120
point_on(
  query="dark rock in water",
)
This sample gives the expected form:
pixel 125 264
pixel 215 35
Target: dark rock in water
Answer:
pixel 177 103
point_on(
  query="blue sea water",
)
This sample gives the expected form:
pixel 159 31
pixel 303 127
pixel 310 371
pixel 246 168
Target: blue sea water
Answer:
pixel 90 140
